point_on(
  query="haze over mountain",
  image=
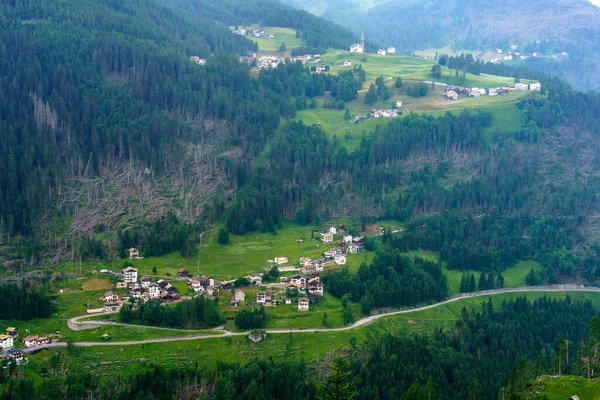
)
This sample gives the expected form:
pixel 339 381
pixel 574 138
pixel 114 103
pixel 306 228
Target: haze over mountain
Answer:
pixel 571 26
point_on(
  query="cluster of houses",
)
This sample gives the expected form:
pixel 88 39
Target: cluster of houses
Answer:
pixel 455 92
pixel 267 61
pixel 257 33
pixel 512 54
pixel 143 290
pixel 390 50
pixel 8 341
pixel 382 113
pixel 360 48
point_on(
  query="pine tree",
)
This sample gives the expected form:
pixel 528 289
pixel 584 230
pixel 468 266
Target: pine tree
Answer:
pixel 340 385
pixel 482 282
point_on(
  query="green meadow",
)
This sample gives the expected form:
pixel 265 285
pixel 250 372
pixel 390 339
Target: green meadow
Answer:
pixel 243 255
pixel 271 46
pixel 513 276
pixel 309 346
pixel 563 387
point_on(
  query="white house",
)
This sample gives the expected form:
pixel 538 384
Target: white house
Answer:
pixel 110 297
pixel 30 341
pixel 131 275
pixel 333 230
pixel 535 86
pixel 154 291
pixel 305 261
pixel 145 282
pixel 521 87
pixel 303 303
pixel 347 239
pixel 240 295
pixel 391 50
pixel 340 260
pixel 134 253
pixel 256 280
pixel 279 260
pixel 196 285
pixel 327 237
pixel 298 280
pixel 6 341
pixel 346 63
pixel 398 104
pixel 381 52
pixel 316 289
pixel 261 297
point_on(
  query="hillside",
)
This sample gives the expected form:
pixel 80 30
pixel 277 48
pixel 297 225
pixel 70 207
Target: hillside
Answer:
pixel 116 126
pixel 564 25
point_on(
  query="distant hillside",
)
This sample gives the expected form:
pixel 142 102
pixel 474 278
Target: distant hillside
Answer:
pixel 567 25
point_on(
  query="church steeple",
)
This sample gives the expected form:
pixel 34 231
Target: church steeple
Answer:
pixel 362 40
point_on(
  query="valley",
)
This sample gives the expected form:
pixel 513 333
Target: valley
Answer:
pixel 241 200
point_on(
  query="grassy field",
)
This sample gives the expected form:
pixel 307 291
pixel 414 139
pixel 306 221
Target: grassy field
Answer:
pixel 561 388
pixel 242 256
pixel 271 46
pixel 505 114
pixel 312 347
pixel 513 276
pixel 407 67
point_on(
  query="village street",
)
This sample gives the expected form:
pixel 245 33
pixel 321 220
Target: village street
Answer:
pixel 220 333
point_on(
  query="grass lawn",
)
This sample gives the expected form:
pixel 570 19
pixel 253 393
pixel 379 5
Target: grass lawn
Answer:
pixel 560 388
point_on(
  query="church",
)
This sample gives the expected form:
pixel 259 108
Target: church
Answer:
pixel 358 47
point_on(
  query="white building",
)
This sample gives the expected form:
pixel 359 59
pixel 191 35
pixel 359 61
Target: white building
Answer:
pixel 131 275
pixel 340 260
pixel 154 291
pixel 303 303
pixel 381 52
pixel 327 237
pixel 346 63
pixel 333 230
pixel 521 87
pixel 347 239
pixel 6 341
pixel 391 50
pixel 358 47
pixel 240 295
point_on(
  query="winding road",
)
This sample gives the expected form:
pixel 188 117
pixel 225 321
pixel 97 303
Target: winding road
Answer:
pixel 76 324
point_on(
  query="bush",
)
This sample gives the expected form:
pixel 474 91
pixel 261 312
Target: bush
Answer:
pixel 223 237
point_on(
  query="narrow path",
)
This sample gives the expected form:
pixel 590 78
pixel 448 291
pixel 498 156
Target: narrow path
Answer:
pixel 360 322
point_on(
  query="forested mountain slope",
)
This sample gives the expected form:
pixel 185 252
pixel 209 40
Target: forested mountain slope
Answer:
pixel 560 25
pixel 106 123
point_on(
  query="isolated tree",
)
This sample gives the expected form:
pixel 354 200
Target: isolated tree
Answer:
pixel 282 48
pixel 436 71
pixel 398 82
pixel 223 236
pixel 347 114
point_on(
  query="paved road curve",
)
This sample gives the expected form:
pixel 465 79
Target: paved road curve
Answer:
pixel 219 333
